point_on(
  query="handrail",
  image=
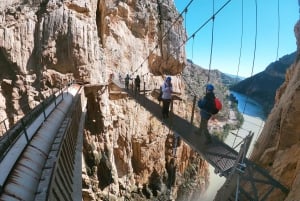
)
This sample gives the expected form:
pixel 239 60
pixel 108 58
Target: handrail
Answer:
pixel 3 122
pixel 13 133
pixel 56 177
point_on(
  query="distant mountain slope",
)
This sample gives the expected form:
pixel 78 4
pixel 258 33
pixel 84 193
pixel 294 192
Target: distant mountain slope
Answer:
pixel 262 86
pixel 196 79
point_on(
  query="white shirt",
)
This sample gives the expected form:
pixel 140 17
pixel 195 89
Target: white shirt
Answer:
pixel 167 91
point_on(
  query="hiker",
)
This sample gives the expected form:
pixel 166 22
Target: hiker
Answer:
pixel 167 90
pixel 206 105
pixel 137 83
pixel 127 78
pixel 120 77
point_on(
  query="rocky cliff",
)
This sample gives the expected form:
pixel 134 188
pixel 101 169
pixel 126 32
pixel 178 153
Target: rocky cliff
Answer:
pixel 45 44
pixel 278 147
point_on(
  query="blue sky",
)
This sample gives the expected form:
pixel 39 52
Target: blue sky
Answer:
pixel 228 29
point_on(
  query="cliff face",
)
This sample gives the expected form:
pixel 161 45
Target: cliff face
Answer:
pixel 278 147
pixel 127 152
pixel 42 45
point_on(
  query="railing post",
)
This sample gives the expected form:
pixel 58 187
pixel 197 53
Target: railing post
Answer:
pixel 193 109
pixel 54 98
pixel 144 88
pixel 6 130
pixel 24 128
pixel 171 105
pixel 44 110
pixel 61 91
pixel 5 125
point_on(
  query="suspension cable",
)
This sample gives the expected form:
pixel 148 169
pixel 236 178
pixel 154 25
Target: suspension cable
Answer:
pixel 254 53
pixel 165 34
pixel 238 67
pixel 189 86
pixel 206 22
pixel 193 35
pixel 240 55
pixel 202 26
pixel 212 42
pixel 241 41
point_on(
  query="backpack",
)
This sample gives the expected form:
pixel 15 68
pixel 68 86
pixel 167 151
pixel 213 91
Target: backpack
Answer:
pixel 217 106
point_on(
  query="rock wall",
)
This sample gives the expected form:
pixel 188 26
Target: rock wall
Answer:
pixel 45 44
pixel 278 147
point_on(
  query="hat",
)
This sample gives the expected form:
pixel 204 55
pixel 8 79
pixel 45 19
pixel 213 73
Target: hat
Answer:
pixel 210 87
pixel 168 78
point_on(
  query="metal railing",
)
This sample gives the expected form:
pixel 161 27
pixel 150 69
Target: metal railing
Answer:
pixel 15 131
pixel 57 178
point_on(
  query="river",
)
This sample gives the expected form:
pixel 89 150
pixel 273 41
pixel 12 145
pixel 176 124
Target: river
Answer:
pixel 254 122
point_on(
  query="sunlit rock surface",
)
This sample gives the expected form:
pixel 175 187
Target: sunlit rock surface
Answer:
pixel 278 148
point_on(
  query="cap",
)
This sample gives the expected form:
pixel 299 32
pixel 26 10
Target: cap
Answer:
pixel 210 87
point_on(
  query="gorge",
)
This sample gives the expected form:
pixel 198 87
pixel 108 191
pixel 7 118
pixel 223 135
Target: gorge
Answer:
pixel 127 153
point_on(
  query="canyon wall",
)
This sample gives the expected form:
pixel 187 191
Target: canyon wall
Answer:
pixel 278 147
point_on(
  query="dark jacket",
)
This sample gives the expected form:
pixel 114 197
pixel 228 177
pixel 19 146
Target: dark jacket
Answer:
pixel 137 81
pixel 127 78
pixel 206 104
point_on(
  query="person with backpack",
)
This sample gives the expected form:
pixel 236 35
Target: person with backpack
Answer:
pixel 207 108
pixel 167 90
pixel 137 83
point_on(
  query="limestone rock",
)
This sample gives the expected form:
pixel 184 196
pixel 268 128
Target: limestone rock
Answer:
pixel 277 148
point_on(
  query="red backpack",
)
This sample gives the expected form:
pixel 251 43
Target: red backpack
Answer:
pixel 218 106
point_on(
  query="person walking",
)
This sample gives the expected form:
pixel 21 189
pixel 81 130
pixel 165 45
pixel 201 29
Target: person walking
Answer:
pixel 137 83
pixel 166 97
pixel 127 78
pixel 206 105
